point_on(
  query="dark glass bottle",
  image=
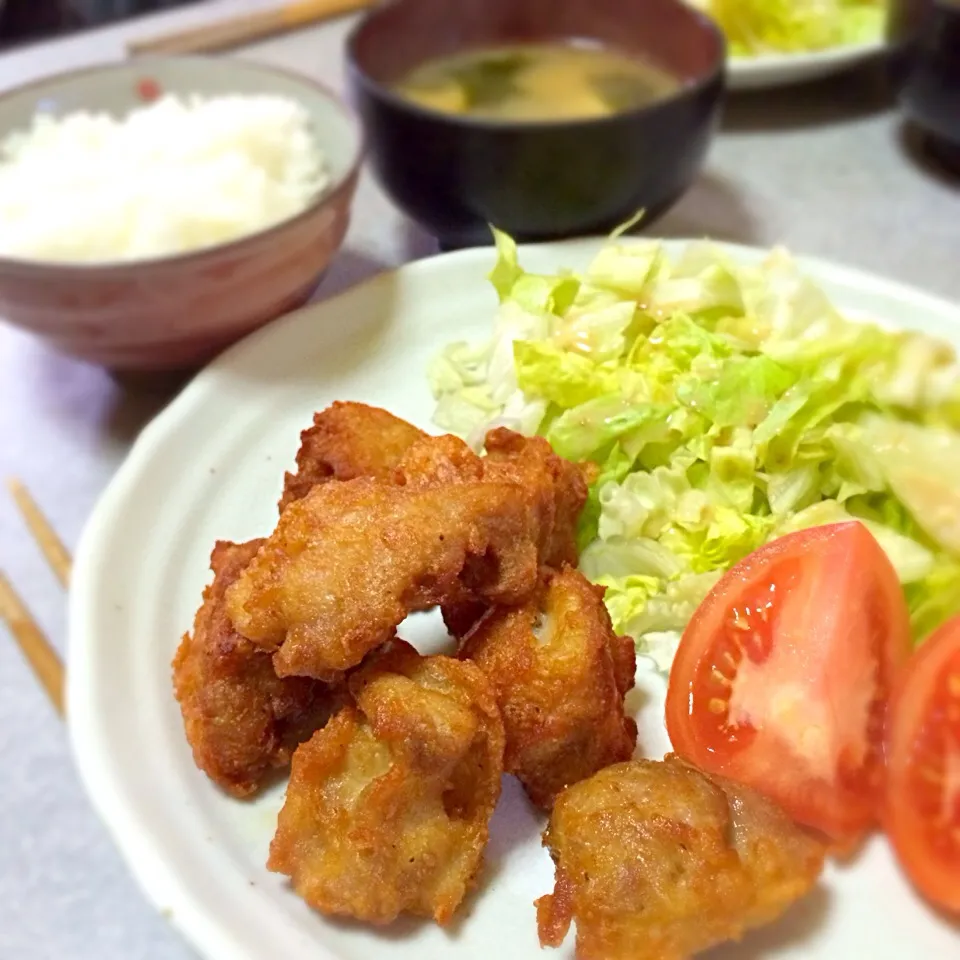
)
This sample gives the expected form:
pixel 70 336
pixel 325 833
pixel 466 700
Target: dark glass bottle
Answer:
pixel 926 34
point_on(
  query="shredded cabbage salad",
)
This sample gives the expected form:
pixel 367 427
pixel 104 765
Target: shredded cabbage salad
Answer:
pixel 725 404
pixel 757 27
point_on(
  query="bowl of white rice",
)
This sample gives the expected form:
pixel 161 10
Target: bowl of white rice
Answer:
pixel 153 212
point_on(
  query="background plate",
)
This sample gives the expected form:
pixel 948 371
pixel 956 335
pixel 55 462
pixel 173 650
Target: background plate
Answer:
pixel 779 70
pixel 211 466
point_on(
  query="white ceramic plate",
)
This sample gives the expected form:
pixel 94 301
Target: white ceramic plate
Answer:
pixel 780 70
pixel 211 467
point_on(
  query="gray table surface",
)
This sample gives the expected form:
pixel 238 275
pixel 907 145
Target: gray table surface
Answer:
pixel 824 170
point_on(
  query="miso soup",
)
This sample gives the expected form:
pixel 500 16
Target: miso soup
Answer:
pixel 554 81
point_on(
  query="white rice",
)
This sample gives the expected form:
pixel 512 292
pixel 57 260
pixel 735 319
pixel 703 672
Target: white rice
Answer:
pixel 169 177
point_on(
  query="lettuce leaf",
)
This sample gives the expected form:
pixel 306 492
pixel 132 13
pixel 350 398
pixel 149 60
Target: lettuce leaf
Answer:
pixel 648 608
pixel 935 598
pixel 724 404
pixel 922 468
pixel 743 393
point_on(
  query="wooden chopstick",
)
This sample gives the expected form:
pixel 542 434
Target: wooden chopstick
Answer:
pixel 235 31
pixel 50 544
pixel 33 643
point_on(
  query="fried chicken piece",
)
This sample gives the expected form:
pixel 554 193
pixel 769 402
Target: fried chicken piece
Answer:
pixel 560 674
pixel 349 561
pixel 241 719
pixel 526 460
pixel 439 460
pixel 555 488
pixel 388 807
pixel 658 861
pixel 435 460
pixel 346 441
pixel 350 440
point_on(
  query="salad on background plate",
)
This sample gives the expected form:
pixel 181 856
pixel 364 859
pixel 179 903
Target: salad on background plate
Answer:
pixel 726 405
pixel 756 28
pixel 773 43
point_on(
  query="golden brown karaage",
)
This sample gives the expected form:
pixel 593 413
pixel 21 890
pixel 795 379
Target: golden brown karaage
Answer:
pixel 350 440
pixel 435 460
pixel 346 441
pixel 241 719
pixel 560 674
pixel 527 461
pixel 350 560
pixel 388 806
pixel 554 488
pixel 657 861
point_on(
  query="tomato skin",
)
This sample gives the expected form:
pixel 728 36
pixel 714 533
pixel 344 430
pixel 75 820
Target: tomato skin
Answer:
pixel 923 768
pixel 781 678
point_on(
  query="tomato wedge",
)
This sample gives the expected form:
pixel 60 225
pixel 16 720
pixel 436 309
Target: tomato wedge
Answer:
pixel 782 677
pixel 922 809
